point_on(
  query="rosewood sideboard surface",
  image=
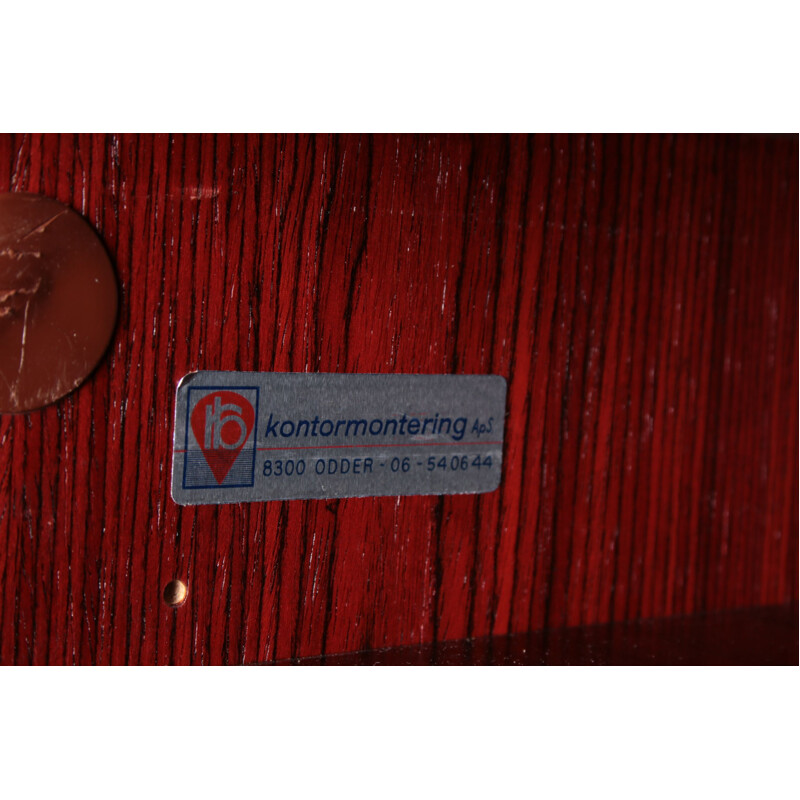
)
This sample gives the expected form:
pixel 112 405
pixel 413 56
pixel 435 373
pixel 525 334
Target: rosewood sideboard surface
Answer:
pixel 638 293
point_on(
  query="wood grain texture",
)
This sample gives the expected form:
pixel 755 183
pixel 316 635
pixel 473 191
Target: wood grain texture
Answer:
pixel 639 293
pixel 760 636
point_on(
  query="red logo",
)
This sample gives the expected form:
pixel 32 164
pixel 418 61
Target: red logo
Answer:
pixel 222 422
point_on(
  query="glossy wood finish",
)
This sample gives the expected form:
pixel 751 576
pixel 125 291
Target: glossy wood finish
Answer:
pixel 639 294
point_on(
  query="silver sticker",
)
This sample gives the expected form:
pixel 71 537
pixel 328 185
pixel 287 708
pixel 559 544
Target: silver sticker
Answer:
pixel 251 436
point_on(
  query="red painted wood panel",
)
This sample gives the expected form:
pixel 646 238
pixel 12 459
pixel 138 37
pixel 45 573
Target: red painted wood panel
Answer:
pixel 759 636
pixel 639 293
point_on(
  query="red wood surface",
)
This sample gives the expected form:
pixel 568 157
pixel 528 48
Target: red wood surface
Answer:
pixel 760 636
pixel 639 293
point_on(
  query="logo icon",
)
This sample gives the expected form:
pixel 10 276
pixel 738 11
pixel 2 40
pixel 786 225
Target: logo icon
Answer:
pixel 220 437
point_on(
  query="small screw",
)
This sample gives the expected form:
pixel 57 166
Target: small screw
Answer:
pixel 175 593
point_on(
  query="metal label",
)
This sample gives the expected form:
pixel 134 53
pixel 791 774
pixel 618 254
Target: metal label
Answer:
pixel 251 436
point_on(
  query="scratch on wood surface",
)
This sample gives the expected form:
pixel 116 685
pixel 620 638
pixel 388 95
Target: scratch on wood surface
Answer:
pixel 44 226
